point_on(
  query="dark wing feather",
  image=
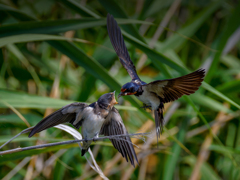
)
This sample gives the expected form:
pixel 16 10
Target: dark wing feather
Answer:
pixel 172 89
pixel 113 125
pixel 66 114
pixel 119 46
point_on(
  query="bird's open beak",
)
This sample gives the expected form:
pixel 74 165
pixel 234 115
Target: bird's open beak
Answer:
pixel 114 98
pixel 121 94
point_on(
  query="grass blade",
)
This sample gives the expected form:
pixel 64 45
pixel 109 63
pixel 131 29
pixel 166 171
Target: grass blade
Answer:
pixel 232 25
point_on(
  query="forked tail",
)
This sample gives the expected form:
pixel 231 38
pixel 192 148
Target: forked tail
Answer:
pixel 159 120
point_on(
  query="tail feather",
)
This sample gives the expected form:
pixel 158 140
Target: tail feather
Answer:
pixel 85 146
pixel 159 120
pixel 83 151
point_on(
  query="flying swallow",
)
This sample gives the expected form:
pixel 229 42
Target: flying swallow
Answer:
pixel 98 118
pixel 156 93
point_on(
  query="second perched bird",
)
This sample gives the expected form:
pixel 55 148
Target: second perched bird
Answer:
pixel 98 118
pixel 156 93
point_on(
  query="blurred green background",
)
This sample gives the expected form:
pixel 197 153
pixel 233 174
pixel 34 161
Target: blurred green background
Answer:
pixel 56 52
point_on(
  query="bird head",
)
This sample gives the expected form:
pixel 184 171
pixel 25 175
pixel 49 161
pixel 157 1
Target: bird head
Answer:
pixel 129 88
pixel 107 100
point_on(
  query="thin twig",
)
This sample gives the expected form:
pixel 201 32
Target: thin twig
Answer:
pixel 67 142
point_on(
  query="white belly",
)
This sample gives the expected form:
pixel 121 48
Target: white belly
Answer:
pixel 92 123
pixel 149 99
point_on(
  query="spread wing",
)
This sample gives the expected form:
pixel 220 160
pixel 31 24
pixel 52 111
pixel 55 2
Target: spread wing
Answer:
pixel 172 89
pixel 71 113
pixel 113 125
pixel 119 46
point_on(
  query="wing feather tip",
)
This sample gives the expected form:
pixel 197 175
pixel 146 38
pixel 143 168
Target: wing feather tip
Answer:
pixel 31 133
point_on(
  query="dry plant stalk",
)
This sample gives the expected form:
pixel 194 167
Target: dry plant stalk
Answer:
pixel 159 31
pixel 203 154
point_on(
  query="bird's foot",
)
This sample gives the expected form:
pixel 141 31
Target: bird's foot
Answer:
pixel 95 137
pixel 86 140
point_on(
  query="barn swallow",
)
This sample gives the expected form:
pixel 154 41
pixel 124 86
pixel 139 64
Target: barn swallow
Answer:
pixel 98 118
pixel 156 93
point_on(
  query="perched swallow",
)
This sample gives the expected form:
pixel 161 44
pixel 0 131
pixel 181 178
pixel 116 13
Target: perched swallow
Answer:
pixel 99 118
pixel 156 93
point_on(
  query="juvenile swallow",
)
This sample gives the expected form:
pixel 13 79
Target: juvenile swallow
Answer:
pixel 98 118
pixel 156 93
